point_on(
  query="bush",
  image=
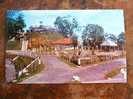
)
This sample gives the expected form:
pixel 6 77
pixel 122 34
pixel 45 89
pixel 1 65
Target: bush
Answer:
pixel 13 45
pixel 22 62
pixel 112 73
pixel 38 69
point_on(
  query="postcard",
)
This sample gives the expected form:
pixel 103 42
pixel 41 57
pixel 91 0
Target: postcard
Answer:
pixel 65 46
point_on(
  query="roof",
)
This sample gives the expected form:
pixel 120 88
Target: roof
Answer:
pixel 108 43
pixel 43 28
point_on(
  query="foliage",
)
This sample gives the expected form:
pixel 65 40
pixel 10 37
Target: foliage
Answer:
pixel 75 40
pixel 13 13
pixel 93 35
pixel 22 62
pixel 31 73
pixel 112 73
pixel 111 37
pixel 46 35
pixel 53 36
pixel 13 45
pixel 66 26
pixel 15 23
pixel 121 39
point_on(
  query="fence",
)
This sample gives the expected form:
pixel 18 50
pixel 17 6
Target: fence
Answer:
pixel 31 67
pixel 90 59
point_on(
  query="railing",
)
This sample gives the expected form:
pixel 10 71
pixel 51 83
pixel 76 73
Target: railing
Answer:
pixel 15 58
pixel 22 53
pixel 87 60
pixel 90 59
pixel 66 57
pixel 31 67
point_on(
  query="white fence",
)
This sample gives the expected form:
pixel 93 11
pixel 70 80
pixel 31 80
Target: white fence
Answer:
pixel 33 65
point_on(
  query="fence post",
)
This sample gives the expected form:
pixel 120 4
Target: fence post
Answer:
pixel 79 61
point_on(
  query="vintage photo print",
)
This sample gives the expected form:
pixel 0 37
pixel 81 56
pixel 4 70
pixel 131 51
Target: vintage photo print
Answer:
pixel 65 46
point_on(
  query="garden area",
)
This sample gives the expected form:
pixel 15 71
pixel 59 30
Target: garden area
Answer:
pixel 24 67
pixel 86 59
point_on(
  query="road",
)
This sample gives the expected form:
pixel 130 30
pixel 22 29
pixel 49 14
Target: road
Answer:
pixel 56 71
pixel 97 72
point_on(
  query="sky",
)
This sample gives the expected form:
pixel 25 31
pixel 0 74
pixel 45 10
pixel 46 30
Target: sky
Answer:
pixel 111 20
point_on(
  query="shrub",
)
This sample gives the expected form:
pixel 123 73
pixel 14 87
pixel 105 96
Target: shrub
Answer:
pixel 13 45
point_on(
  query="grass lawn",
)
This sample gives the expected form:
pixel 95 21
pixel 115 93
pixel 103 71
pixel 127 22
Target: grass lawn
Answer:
pixel 112 73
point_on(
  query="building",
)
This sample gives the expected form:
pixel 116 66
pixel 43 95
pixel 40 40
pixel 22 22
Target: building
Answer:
pixel 62 43
pixel 42 29
pixel 108 45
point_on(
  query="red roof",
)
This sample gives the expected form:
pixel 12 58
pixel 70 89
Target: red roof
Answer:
pixel 65 41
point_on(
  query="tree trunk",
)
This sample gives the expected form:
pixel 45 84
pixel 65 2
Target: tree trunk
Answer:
pixel 93 51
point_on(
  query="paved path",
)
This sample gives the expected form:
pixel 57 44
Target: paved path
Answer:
pixel 97 71
pixel 59 72
pixel 10 71
pixel 56 71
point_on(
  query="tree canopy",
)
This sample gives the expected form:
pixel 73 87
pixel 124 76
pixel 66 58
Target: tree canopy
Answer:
pixel 121 39
pixel 66 26
pixel 93 35
pixel 111 37
pixel 14 24
pixel 75 40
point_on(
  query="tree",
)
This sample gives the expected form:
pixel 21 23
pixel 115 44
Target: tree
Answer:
pixel 93 35
pixel 13 13
pixel 11 31
pixel 111 37
pixel 75 41
pixel 121 40
pixel 85 44
pixel 15 23
pixel 66 26
pixel 20 24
